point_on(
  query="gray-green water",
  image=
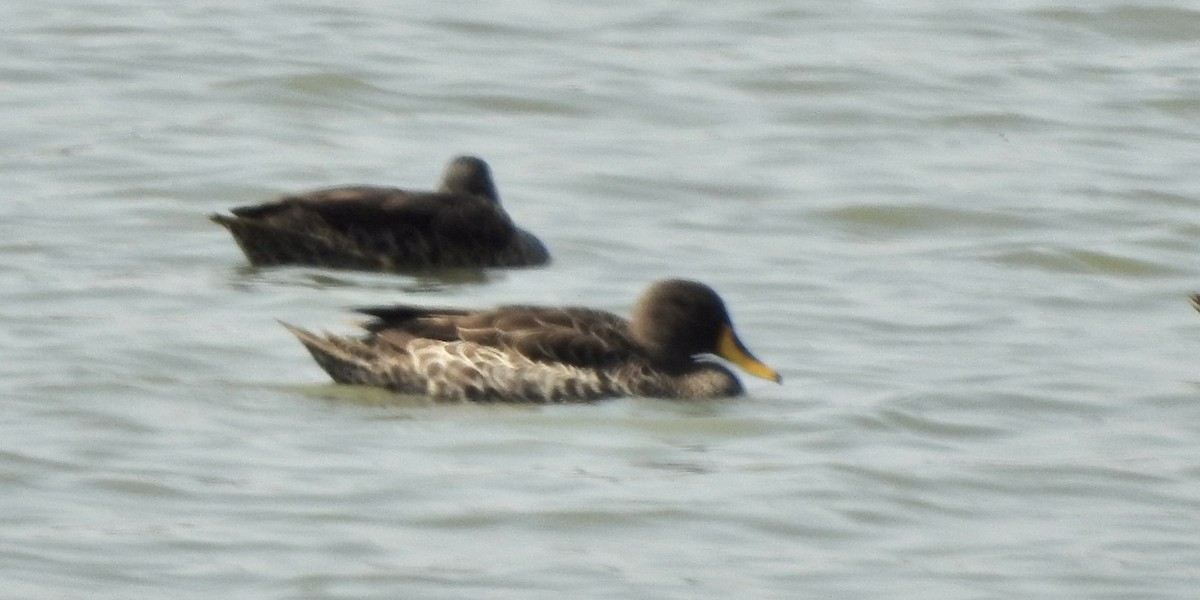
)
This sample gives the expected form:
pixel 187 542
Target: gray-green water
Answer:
pixel 964 233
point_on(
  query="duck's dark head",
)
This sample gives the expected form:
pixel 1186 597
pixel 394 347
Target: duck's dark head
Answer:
pixel 677 319
pixel 469 175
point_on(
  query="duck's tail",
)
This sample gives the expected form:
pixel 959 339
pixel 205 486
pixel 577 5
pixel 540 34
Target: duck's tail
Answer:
pixel 351 360
pixel 266 244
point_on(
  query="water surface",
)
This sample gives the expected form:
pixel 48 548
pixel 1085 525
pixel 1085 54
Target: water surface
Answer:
pixel 963 234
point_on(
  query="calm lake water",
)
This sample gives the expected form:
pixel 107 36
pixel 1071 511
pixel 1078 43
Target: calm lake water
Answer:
pixel 964 235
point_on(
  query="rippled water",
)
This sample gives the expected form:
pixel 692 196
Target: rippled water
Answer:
pixel 964 235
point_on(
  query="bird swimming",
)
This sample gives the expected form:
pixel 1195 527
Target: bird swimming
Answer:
pixel 540 354
pixel 374 228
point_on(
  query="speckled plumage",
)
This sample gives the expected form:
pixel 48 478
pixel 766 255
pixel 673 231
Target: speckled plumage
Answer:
pixel 545 354
pixel 388 229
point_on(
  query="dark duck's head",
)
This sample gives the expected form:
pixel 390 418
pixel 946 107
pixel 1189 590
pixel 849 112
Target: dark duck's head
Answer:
pixel 469 175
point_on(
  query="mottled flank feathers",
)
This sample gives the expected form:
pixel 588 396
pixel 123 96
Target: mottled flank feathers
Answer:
pixel 546 354
pixel 389 229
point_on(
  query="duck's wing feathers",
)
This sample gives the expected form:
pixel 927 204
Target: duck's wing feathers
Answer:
pixel 574 336
pixel 453 218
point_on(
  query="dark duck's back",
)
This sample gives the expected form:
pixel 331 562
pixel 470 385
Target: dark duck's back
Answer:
pixel 388 229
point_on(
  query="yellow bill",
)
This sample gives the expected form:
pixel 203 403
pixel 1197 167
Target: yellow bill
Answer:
pixel 730 348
